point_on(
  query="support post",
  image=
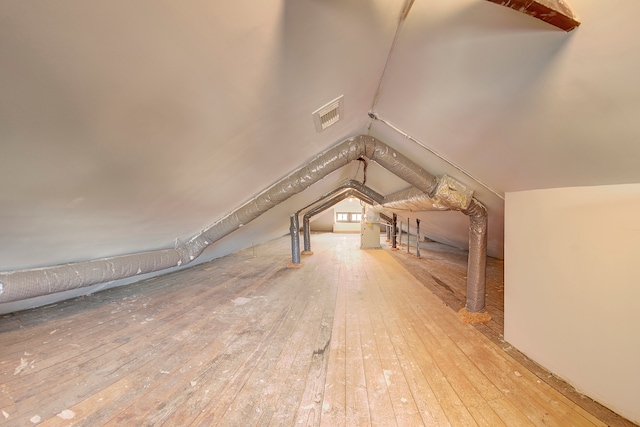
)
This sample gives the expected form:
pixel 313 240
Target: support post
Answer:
pixel 394 228
pixel 417 238
pixel 408 236
pixel 474 310
pixel 306 228
pixel 295 241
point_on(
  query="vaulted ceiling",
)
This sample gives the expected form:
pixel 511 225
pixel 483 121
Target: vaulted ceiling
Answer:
pixel 130 126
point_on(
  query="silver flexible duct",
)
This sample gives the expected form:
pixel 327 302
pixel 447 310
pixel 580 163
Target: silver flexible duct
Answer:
pixel 477 262
pixel 449 194
pixel 306 227
pixel 413 200
pixel 22 284
pixel 294 230
pixel 348 185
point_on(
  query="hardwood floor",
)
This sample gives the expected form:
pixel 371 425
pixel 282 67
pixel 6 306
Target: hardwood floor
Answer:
pixel 351 338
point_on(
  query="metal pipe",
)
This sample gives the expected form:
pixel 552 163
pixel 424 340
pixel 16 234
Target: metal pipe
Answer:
pixel 295 239
pixel 326 205
pixel 385 218
pixel 394 228
pixel 408 236
pixel 477 262
pixel 336 199
pixel 306 228
pixel 23 284
pixel 417 238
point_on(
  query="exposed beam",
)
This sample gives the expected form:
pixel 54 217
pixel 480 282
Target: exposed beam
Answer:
pixel 555 12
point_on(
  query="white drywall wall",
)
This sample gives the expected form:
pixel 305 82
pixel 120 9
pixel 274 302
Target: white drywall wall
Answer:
pixel 348 205
pixel 572 289
pixel 322 222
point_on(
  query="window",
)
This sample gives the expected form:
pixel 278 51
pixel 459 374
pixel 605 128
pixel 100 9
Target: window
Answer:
pixel 348 217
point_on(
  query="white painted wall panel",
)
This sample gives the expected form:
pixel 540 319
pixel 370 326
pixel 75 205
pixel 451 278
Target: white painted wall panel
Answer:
pixel 572 288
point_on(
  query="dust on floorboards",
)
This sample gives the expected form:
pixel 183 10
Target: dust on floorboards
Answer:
pixel 353 337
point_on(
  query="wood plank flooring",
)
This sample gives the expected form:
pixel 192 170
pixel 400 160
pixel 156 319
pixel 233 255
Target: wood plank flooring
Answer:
pixel 442 270
pixel 351 338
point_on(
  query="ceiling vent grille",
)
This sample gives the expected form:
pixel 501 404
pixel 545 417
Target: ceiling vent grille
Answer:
pixel 327 115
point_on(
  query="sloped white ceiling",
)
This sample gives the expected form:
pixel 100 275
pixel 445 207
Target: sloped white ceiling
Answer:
pixel 127 125
pixel 515 101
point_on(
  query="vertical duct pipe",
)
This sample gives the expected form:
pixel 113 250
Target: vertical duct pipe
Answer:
pixel 408 236
pixel 326 205
pixel 476 268
pixel 394 227
pixel 306 230
pixel 295 240
pixel 417 238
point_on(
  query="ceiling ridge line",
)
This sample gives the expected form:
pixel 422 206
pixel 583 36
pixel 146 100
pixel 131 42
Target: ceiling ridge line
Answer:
pixel 403 16
pixel 375 116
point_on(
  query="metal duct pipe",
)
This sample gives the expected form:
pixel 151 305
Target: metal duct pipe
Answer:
pixel 363 190
pixel 414 200
pixel 451 194
pixel 337 199
pixel 306 233
pixel 394 228
pixel 326 205
pixel 348 185
pixel 417 238
pixel 295 239
pixel 22 284
pixel 351 185
pixel 477 263
pixel 385 218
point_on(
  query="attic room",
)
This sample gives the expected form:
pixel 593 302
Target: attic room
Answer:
pixel 161 162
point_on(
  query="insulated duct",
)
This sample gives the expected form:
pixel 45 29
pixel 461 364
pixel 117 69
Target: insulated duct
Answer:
pixel 306 227
pixel 385 218
pixel 412 200
pixel 477 262
pixel 449 194
pixel 294 230
pixel 345 186
pixel 348 185
pixel 28 283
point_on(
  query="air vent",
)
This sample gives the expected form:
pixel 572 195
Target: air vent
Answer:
pixel 327 115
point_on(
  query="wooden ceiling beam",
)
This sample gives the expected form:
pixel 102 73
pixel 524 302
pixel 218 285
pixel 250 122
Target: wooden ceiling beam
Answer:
pixel 555 12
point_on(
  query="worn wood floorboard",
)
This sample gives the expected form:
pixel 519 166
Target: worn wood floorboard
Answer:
pixel 352 338
pixel 442 270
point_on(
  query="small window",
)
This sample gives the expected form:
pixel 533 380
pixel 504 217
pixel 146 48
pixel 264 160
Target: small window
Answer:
pixel 348 217
pixel 342 217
